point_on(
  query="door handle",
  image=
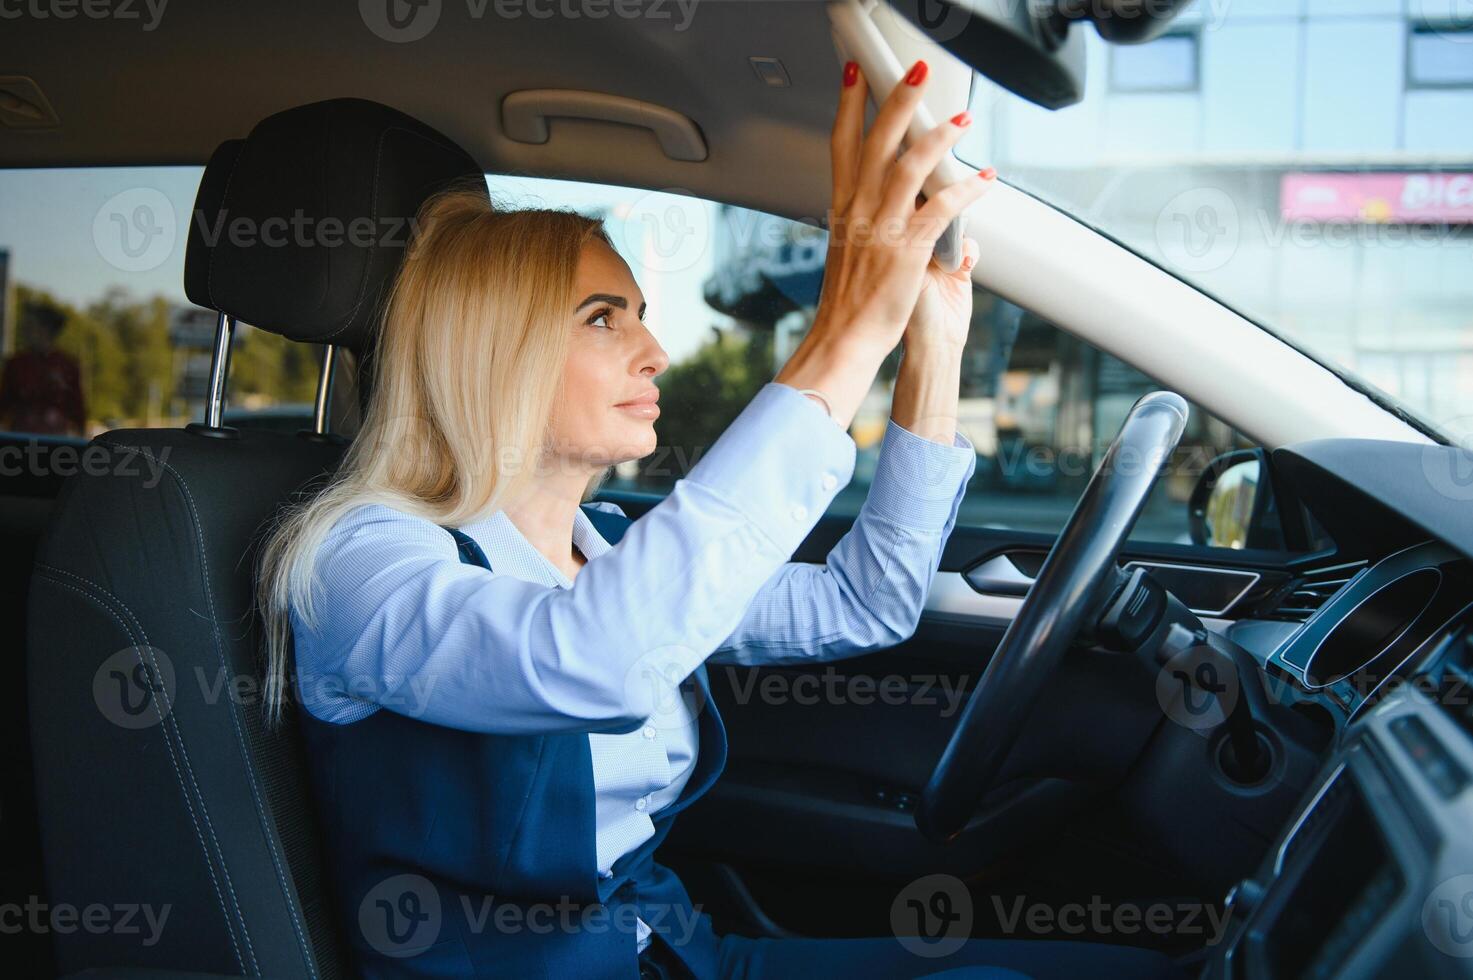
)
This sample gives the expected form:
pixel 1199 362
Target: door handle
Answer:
pixel 999 576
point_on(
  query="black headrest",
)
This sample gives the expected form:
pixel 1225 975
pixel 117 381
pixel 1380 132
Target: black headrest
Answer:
pixel 299 228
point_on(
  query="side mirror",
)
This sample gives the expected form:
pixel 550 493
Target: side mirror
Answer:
pixel 1232 505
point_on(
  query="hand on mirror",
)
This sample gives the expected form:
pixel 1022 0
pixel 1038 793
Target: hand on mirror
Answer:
pixel 943 312
pixel 881 231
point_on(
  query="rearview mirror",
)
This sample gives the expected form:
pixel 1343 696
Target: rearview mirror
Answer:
pixel 1018 44
pixel 1027 46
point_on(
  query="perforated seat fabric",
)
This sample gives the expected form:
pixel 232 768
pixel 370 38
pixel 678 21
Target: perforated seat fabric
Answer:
pixel 159 789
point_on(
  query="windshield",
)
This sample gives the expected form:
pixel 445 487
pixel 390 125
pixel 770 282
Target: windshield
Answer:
pixel 1309 164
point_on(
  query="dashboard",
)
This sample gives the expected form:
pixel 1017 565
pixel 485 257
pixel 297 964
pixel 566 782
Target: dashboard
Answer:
pixel 1373 874
pixel 1376 626
pixel 1373 877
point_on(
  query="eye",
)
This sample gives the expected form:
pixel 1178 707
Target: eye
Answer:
pixel 606 315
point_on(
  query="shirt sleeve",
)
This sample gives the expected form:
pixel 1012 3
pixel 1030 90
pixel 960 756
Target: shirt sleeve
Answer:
pixel 870 591
pixel 401 623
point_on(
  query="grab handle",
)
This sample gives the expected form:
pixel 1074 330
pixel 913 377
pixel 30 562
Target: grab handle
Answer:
pixel 524 117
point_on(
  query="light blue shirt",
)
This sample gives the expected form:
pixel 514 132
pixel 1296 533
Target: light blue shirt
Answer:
pixel 703 575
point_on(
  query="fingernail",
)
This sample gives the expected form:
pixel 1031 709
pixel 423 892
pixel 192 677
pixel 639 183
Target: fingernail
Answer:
pixel 851 73
pixel 917 73
pixel 962 119
pixel 987 173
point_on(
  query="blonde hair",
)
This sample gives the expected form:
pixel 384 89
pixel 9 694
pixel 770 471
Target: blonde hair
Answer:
pixel 467 370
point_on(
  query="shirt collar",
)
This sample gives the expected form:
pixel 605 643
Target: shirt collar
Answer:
pixel 508 550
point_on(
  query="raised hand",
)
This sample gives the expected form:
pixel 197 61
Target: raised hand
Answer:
pixel 881 235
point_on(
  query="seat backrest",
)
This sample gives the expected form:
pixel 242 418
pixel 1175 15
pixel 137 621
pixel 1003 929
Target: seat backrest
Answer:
pixel 159 787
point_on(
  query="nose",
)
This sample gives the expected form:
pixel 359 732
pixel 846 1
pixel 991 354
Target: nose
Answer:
pixel 652 357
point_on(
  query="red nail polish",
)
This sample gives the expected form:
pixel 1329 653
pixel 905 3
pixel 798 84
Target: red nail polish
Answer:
pixel 987 173
pixel 917 73
pixel 851 73
pixel 962 119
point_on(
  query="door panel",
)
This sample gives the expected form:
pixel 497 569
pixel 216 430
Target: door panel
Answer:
pixel 826 761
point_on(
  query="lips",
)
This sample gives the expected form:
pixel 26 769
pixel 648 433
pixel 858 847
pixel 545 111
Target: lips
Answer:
pixel 649 398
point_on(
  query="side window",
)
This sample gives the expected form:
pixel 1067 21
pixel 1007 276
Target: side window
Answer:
pixel 1042 407
pixel 95 330
pixel 732 291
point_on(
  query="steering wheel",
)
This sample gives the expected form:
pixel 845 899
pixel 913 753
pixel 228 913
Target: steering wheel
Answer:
pixel 1059 605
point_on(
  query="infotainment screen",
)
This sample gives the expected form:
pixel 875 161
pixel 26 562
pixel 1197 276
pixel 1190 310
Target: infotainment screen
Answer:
pixel 1343 880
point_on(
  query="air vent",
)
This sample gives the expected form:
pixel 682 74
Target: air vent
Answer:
pixel 1303 596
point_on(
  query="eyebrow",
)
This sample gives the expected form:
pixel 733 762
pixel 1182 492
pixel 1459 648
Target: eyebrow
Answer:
pixel 610 299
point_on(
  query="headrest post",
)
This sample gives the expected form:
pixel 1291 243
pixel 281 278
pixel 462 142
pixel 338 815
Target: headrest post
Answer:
pixel 321 411
pixel 219 370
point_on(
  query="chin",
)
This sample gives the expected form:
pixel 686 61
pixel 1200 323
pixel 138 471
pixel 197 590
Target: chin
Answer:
pixel 631 445
pixel 644 444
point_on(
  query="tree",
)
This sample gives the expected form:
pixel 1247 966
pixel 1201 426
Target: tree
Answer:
pixel 130 367
pixel 702 395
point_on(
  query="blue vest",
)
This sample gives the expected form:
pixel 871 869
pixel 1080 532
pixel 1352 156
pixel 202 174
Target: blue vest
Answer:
pixel 459 854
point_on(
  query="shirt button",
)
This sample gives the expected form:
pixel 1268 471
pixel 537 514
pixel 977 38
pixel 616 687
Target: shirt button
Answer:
pixel 830 481
pixel 800 513
pixel 642 804
pixel 649 731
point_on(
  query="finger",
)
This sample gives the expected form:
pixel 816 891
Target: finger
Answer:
pixel 904 181
pixel 970 253
pixel 931 220
pixel 848 134
pixel 878 152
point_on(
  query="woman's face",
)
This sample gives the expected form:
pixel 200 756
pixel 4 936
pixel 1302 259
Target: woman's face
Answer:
pixel 613 359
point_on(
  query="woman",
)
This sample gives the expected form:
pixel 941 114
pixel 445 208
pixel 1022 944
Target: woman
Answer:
pixel 500 727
